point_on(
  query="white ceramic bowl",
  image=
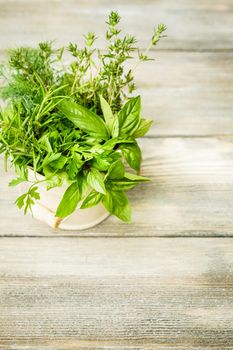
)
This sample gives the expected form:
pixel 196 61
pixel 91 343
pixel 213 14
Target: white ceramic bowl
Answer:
pixel 44 209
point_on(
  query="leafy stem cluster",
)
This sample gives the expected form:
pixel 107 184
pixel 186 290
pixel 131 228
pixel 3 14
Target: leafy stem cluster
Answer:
pixel 75 124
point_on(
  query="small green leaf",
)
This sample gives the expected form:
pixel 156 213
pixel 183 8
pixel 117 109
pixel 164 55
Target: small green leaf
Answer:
pixel 52 178
pixel 122 185
pixel 26 199
pixel 116 170
pixel 101 162
pixel 132 154
pixel 116 202
pixel 115 128
pixel 50 157
pixel 135 177
pixel 143 127
pixel 22 172
pixel 71 198
pixel 92 199
pixel 33 192
pixel 96 181
pixel 28 204
pixel 107 113
pixel 20 200
pixel 58 163
pixel 129 115
pixel 110 144
pixel 45 143
pixel 16 182
pixel 74 166
pixel 84 119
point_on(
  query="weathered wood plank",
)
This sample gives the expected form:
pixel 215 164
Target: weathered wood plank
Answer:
pixel 188 93
pixel 190 194
pixel 116 293
pixel 192 25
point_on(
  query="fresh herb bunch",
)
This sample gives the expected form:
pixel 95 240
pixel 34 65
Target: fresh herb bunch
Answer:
pixel 75 123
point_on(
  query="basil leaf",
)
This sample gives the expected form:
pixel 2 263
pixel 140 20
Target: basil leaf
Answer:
pixel 84 119
pixel 143 127
pixel 101 162
pixel 71 198
pixel 107 113
pixel 116 202
pixel 122 185
pixel 129 115
pixel 96 181
pixel 115 128
pixel 110 144
pixel 132 154
pixel 116 170
pixel 135 177
pixel 92 199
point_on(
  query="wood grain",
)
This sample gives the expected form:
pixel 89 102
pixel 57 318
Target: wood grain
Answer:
pixel 188 93
pixel 116 293
pixel 192 25
pixel 190 194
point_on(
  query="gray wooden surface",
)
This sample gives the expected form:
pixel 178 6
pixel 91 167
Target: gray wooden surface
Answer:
pixel 126 293
pixel 166 281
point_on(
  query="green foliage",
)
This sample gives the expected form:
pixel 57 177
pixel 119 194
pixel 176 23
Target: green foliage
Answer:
pixel 116 202
pixel 72 197
pixel 75 123
pixel 84 119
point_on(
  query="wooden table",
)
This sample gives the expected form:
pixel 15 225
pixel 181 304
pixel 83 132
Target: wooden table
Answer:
pixel 166 281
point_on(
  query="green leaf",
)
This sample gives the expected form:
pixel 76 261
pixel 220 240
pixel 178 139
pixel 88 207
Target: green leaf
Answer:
pixel 28 204
pixel 110 144
pixel 92 199
pixel 16 181
pixel 129 115
pixel 116 170
pixel 71 198
pixel 26 199
pixel 132 154
pixel 22 172
pixel 115 128
pixel 116 202
pixel 135 177
pixel 20 200
pixel 143 127
pixel 107 113
pixel 33 192
pixel 84 119
pixel 50 157
pixel 101 162
pixel 96 181
pixel 122 185
pixel 52 178
pixel 58 163
pixel 74 165
pixel 45 143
